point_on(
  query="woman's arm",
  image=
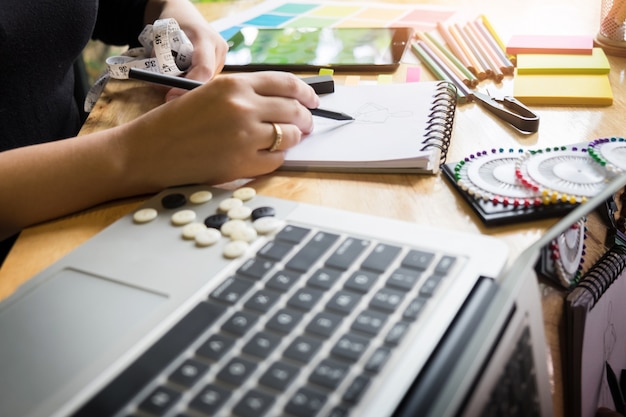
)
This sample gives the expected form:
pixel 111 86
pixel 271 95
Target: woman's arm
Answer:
pixel 212 134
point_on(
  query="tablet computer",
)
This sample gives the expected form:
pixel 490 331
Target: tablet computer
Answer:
pixel 309 49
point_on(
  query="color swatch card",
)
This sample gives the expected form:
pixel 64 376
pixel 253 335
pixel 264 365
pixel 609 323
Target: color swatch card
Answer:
pixel 563 89
pixel 320 14
pixel 596 63
pixel 550 44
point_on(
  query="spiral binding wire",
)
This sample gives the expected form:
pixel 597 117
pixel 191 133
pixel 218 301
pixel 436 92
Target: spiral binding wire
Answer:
pixel 604 272
pixel 441 119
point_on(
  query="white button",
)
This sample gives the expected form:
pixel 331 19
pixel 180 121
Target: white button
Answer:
pixel 200 197
pixel 235 249
pixel 145 215
pixel 239 213
pixel 207 237
pixel 267 225
pixel 183 217
pixel 191 230
pixel 230 226
pixel 229 203
pixel 244 193
pixel 247 234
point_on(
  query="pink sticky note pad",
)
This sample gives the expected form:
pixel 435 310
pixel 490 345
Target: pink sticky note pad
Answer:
pixel 550 44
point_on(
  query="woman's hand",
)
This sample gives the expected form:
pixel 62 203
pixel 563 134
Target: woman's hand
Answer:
pixel 219 132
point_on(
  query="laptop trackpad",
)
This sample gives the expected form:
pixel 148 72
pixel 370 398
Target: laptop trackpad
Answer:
pixel 60 328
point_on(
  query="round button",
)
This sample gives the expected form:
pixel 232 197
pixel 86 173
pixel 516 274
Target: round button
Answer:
pixel 200 197
pixel 267 225
pixel 191 230
pixel 229 203
pixel 183 217
pixel 207 237
pixel 239 213
pixel 247 234
pixel 244 193
pixel 265 211
pixel 230 226
pixel 174 200
pixel 235 249
pixel 216 221
pixel 145 215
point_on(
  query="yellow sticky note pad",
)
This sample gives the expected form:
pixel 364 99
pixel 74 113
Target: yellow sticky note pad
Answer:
pixel 596 63
pixel 563 89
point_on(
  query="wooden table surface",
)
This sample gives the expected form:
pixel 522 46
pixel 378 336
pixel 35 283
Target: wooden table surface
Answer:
pixel 426 199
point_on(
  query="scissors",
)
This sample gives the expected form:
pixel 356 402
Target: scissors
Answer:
pixel 511 111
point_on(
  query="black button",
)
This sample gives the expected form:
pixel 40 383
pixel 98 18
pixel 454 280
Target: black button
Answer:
pixel 259 212
pixel 215 221
pixel 172 201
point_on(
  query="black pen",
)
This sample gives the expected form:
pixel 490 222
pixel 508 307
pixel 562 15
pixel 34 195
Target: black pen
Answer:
pixel 187 84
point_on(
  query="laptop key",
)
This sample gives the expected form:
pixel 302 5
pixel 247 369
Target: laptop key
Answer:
pixel 324 278
pixel 210 399
pixel 216 346
pixel 329 373
pixel 283 280
pixel 236 371
pixel 253 404
pixel 312 251
pixel 302 349
pixel 231 290
pixel 356 389
pixel 188 373
pixel 324 324
pixel 387 300
pixel 261 345
pixel 240 322
pixel 262 300
pixel 279 375
pixel 369 322
pixel 285 320
pixel 306 403
pixel 346 253
pixel 160 401
pixel 361 281
pixel 350 347
pixel 417 259
pixel 381 257
pixel 378 359
pixel 343 302
pixel 305 298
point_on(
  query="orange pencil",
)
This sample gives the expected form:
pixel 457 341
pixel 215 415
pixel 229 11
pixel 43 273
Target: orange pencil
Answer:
pixel 453 44
pixel 475 67
pixel 474 48
pixel 506 65
pixel 444 59
pixel 488 55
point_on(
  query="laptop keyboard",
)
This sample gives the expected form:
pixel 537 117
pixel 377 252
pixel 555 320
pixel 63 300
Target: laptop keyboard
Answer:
pixel 302 327
pixel 358 309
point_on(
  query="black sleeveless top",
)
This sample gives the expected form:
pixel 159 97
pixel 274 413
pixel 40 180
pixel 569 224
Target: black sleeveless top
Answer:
pixel 39 42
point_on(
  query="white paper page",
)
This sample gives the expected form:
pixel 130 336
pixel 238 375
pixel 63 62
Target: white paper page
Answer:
pixel 390 121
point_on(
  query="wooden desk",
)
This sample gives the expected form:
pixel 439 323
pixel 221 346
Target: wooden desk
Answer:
pixel 414 198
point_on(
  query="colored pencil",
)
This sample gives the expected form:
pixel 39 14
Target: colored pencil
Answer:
pixel 474 48
pixel 506 65
pixel 494 34
pixel 487 54
pixel 453 44
pixel 466 75
pixel 478 71
pixel 439 68
pixel 445 60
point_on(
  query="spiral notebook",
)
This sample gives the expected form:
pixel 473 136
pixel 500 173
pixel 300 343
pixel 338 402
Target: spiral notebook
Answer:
pixel 399 128
pixel 596 336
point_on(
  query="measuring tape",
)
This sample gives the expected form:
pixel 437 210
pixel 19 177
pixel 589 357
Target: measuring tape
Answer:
pixel 164 48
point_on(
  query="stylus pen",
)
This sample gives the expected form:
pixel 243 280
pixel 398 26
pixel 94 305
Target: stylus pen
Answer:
pixel 187 84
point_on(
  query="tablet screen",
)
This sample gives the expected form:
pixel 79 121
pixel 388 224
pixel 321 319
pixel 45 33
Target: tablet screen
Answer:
pixel 376 49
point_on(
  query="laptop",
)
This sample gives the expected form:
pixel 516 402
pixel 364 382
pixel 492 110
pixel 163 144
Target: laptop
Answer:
pixel 292 310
